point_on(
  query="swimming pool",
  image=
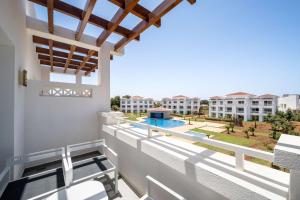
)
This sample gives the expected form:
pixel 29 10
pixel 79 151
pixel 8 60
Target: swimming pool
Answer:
pixel 163 123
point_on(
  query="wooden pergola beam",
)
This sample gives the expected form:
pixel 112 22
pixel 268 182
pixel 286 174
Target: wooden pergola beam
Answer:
pixel 91 70
pixel 64 55
pixel 63 61
pixel 139 11
pixel 79 13
pixel 116 20
pixel 72 49
pixel 156 14
pixel 85 60
pixel 51 54
pixel 61 45
pixel 50 5
pixel 62 65
pixel 90 4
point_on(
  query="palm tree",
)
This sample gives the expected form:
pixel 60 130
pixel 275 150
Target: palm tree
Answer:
pixel 231 125
pixel 227 129
pixel 252 130
pixel 247 133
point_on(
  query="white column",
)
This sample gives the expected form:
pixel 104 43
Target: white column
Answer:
pixel 104 73
pixel 287 155
pixel 78 78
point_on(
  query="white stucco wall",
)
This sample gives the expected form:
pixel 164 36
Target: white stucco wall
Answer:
pixel 12 21
pixel 59 121
pixel 6 99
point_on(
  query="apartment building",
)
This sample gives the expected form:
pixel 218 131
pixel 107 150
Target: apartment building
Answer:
pixel 243 105
pixel 289 101
pixel 182 104
pixel 136 104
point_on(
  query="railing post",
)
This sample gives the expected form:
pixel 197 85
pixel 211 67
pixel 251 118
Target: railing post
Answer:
pixel 239 160
pixel 149 132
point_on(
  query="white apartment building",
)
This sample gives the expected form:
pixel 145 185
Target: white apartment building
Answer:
pixel 243 105
pixel 181 104
pixel 136 104
pixel 289 101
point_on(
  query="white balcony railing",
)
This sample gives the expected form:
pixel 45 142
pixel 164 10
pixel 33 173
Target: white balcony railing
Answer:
pixel 240 151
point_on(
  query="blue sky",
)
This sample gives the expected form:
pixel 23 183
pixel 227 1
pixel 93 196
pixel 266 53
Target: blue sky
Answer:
pixel 212 48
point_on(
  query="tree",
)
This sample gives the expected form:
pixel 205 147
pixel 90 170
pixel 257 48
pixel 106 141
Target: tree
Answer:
pixel 252 130
pixel 289 115
pixel 231 126
pixel 247 133
pixel 227 129
pixel 126 96
pixel 115 101
pixel 115 108
pixel 204 102
pixel 279 124
pixel 157 104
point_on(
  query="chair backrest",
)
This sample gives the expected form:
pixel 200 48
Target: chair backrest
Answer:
pixel 84 146
pixel 156 191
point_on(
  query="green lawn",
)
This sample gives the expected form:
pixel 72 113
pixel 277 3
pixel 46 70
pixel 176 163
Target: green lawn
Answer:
pixel 228 138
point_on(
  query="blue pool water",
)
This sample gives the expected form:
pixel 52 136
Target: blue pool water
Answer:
pixel 163 123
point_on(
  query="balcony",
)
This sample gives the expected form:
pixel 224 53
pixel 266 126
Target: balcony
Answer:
pixel 199 167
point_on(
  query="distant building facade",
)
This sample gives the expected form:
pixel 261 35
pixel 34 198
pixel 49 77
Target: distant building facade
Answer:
pixel 136 104
pixel 243 105
pixel 181 104
pixel 289 101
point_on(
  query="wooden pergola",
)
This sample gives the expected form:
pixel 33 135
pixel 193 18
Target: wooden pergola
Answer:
pixel 85 16
pixel 65 56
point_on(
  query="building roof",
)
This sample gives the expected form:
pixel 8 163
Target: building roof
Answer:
pixel 216 97
pixel 179 97
pixel 137 97
pixel 240 94
pixel 267 96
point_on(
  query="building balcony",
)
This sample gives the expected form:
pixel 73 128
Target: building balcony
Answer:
pixel 201 169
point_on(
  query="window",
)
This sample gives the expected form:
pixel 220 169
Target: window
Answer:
pixel 62 78
pixel 254 110
pixel 255 103
pixel 240 102
pixel 221 102
pixel 220 108
pixel 229 102
pixel 268 110
pixel 213 102
pixel 123 102
pixel 174 101
pixel 181 101
pixel 141 101
pixel 240 110
pixel 268 103
pixel 228 109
